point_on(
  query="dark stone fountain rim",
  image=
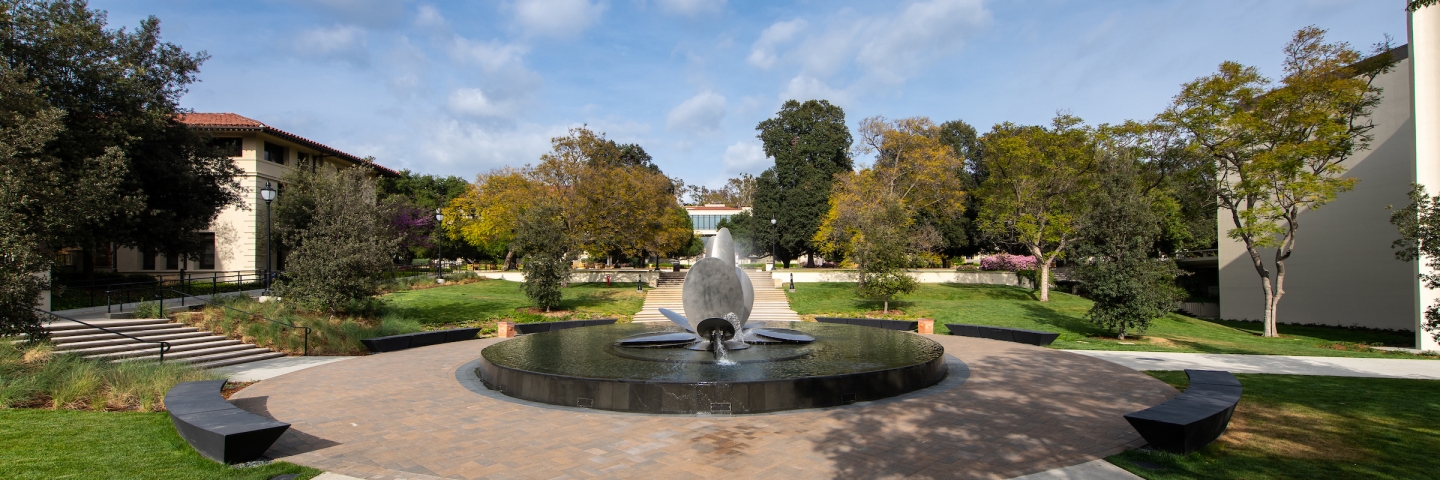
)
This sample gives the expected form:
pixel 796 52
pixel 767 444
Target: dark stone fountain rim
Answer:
pixel 680 396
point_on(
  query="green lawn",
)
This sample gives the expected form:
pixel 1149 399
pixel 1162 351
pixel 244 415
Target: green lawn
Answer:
pixel 490 300
pixel 46 444
pixel 1305 427
pixel 1064 313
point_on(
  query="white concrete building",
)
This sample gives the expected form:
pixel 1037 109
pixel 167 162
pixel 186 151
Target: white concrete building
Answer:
pixel 1344 271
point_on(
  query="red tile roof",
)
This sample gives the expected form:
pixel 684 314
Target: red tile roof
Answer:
pixel 233 122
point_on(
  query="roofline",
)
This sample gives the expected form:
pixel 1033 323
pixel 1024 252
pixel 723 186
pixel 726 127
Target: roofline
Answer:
pixel 324 149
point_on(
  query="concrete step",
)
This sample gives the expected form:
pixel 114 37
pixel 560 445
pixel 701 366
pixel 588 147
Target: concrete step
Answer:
pixel 210 351
pixel 65 325
pixel 208 343
pixel 103 335
pixel 115 346
pixel 223 354
pixel 239 360
pixel 78 332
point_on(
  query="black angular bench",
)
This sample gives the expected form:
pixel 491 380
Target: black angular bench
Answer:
pixel 542 327
pixel 1193 419
pixel 901 325
pixel 418 339
pixel 1017 335
pixel 217 429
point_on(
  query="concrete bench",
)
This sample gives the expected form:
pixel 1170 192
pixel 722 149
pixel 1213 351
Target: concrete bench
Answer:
pixel 1193 419
pixel 218 430
pixel 1017 335
pixel 418 339
pixel 541 327
pixel 872 322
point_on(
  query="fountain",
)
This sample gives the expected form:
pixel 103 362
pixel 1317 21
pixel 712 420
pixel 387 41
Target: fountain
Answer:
pixel 717 362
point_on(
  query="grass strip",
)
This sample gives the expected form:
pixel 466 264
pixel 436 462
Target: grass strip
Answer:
pixel 1306 427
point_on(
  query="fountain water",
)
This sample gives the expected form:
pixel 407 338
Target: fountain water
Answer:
pixel 719 363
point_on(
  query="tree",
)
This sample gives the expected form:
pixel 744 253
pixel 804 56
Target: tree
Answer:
pixel 486 214
pixel 412 199
pixel 1278 151
pixel 40 202
pixel 1129 286
pixel 870 225
pixel 1419 225
pixel 338 236
pixel 737 192
pixel 810 144
pixel 963 236
pixel 1038 189
pixel 542 236
pixel 120 91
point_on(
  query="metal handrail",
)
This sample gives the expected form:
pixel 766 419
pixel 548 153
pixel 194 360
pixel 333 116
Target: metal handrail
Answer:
pixel 164 346
pixel 158 285
pixel 304 353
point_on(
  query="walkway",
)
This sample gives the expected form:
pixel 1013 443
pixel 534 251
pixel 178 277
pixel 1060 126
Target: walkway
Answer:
pixel 1274 364
pixel 770 302
pixel 102 312
pixel 1007 410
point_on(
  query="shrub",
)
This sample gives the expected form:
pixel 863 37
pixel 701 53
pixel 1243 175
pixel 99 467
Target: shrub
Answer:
pixel 1007 262
pixel 339 238
pixel 148 309
pixel 33 375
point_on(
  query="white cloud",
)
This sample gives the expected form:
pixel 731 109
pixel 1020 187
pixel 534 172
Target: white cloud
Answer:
pixel 700 114
pixel 745 156
pixel 690 8
pixel 338 42
pixel 492 56
pixel 467 148
pixel 762 53
pixel 501 69
pixel 473 102
pixel 557 18
pixel 804 88
pixel 429 17
pixel 888 49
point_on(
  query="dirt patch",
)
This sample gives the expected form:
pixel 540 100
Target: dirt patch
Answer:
pixel 1291 432
pixel 1162 342
pixel 232 387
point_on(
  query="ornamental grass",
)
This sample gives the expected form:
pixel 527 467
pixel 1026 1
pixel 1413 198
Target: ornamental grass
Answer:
pixel 34 375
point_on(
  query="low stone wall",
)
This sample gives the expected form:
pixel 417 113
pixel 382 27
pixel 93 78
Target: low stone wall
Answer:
pixel 923 276
pixel 583 276
pixel 1201 309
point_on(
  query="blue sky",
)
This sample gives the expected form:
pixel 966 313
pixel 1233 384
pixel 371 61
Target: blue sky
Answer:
pixel 458 88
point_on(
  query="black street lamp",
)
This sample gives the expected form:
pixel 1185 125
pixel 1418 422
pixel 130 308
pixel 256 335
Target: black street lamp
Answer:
pixel 267 194
pixel 772 244
pixel 440 257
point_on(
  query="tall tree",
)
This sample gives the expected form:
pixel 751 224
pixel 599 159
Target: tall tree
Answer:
pixel 120 91
pixel 486 214
pixel 41 202
pixel 545 241
pixel 1130 286
pixel 810 144
pixel 338 236
pixel 412 199
pixel 963 236
pixel 1038 190
pixel 1278 151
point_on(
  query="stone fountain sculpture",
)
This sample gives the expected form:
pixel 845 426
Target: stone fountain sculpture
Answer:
pixel 718 299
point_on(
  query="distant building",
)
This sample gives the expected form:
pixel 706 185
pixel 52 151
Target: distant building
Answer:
pixel 264 154
pixel 705 217
pixel 1344 271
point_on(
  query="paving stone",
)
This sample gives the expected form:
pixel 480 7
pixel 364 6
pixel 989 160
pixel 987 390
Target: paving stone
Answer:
pixel 403 414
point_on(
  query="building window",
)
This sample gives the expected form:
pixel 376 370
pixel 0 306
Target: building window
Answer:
pixel 706 222
pixel 229 147
pixel 274 153
pixel 207 251
pixel 147 260
pixel 302 160
pixel 172 261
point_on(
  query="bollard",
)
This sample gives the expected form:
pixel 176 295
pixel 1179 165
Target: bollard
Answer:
pixel 926 326
pixel 505 329
pixel 607 279
pixel 792 282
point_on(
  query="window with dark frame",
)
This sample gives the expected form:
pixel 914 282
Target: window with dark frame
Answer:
pixel 274 153
pixel 229 147
pixel 147 260
pixel 172 261
pixel 207 251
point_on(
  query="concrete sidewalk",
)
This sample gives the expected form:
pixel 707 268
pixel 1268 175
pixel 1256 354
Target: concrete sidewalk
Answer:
pixel 101 312
pixel 1275 364
pixel 267 369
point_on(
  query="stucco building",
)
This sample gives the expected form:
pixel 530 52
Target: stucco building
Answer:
pixel 237 237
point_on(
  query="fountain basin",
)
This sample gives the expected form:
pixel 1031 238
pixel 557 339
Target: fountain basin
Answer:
pixel 583 368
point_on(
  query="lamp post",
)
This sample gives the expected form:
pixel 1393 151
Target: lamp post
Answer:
pixel 772 244
pixel 267 194
pixel 440 257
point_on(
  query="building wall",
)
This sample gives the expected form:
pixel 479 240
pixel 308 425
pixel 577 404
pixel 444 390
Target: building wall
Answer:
pixel 1343 270
pixel 1425 82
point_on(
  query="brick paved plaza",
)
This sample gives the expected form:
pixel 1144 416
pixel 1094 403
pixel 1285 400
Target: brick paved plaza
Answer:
pixel 1020 410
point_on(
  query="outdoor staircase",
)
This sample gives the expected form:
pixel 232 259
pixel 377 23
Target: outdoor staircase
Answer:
pixel 187 344
pixel 671 279
pixel 770 302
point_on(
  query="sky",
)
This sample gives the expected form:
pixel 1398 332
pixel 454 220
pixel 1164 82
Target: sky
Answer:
pixel 460 88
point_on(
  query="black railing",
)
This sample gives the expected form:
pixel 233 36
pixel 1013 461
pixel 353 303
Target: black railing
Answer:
pixel 290 325
pixel 164 346
pixel 215 284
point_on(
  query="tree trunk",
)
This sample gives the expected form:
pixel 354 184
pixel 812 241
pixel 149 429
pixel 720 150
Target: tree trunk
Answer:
pixel 809 259
pixel 886 311
pixel 1043 278
pixel 1272 328
pixel 945 261
pixel 510 259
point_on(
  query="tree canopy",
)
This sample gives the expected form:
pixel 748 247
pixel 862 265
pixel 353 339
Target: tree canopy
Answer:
pixel 810 144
